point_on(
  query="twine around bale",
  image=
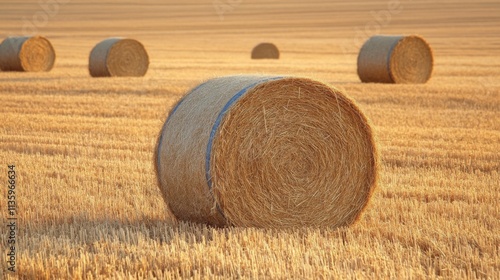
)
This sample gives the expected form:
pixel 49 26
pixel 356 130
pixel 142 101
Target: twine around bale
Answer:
pixel 395 59
pixel 265 51
pixel 27 54
pixel 117 57
pixel 266 152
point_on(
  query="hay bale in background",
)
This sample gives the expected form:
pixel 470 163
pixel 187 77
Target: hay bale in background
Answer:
pixel 265 51
pixel 395 59
pixel 117 57
pixel 27 54
pixel 266 152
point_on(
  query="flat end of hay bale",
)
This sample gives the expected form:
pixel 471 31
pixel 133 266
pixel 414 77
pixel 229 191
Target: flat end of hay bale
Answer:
pixel 411 61
pixel 267 152
pixel 395 59
pixel 265 51
pixel 27 54
pixel 118 57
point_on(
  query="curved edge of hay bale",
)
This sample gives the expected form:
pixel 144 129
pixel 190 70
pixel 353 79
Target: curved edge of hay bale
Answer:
pixel 187 193
pixel 373 59
pixel 27 54
pixel 395 59
pixel 10 53
pixel 186 159
pixel 265 51
pixel 98 58
pixel 156 165
pixel 118 57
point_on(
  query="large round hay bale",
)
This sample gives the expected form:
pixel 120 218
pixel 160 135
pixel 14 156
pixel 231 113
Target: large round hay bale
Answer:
pixel 27 54
pixel 117 57
pixel 395 59
pixel 265 51
pixel 268 152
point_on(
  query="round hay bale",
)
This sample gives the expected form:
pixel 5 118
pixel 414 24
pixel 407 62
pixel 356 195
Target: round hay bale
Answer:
pixel 27 54
pixel 117 57
pixel 267 152
pixel 395 59
pixel 265 51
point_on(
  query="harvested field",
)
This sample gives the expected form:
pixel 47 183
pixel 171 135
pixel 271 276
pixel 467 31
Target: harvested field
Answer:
pixel 88 204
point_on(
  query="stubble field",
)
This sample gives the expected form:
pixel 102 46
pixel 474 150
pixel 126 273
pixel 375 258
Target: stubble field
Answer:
pixel 87 201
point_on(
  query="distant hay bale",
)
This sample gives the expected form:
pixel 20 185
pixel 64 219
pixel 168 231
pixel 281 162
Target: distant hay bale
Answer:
pixel 27 54
pixel 265 51
pixel 269 152
pixel 395 59
pixel 117 57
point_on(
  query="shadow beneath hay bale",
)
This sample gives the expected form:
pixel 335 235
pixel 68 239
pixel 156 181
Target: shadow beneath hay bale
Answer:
pixel 93 234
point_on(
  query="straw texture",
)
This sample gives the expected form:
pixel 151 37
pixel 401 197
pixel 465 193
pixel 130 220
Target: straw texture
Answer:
pixel 27 54
pixel 117 57
pixel 269 152
pixel 395 59
pixel 265 51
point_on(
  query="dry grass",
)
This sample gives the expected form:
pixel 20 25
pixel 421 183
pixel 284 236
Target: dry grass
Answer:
pixel 88 202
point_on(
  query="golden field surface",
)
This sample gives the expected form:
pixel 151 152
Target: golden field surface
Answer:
pixel 88 205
